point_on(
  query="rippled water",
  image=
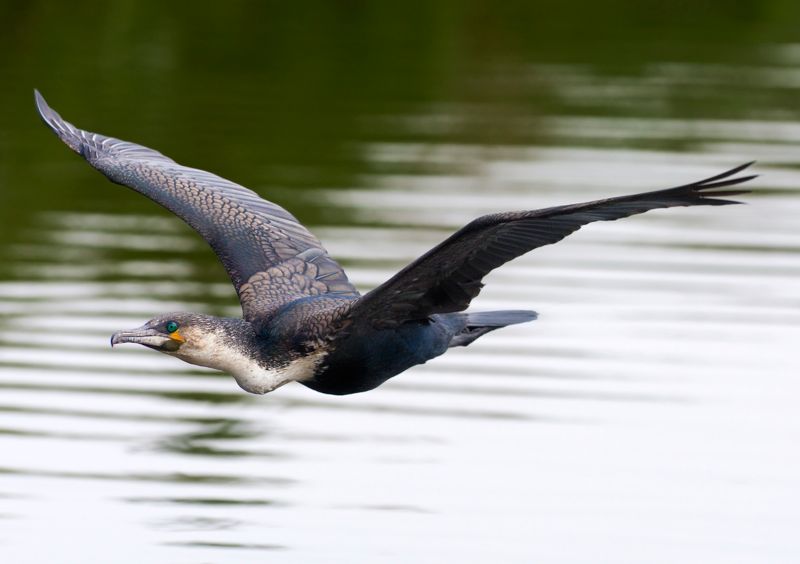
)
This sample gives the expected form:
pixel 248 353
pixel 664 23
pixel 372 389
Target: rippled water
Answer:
pixel 650 414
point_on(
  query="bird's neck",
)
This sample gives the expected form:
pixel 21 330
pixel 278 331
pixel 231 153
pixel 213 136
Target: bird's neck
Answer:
pixel 234 346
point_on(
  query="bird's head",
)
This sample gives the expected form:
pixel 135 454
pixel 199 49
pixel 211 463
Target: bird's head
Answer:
pixel 177 334
pixel 222 343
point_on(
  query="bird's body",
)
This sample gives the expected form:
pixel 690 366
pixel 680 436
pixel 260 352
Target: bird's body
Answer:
pixel 302 319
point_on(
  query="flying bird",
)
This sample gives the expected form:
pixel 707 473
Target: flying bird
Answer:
pixel 302 319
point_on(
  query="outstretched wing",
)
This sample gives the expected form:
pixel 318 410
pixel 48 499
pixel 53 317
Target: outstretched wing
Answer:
pixel 448 277
pixel 271 258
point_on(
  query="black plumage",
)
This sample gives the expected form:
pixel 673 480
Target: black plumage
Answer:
pixel 302 318
pixel 448 277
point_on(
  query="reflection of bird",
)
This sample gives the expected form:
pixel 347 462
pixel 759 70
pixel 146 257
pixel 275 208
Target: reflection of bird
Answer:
pixel 302 319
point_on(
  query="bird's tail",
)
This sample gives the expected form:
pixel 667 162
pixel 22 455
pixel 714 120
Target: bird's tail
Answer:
pixel 482 322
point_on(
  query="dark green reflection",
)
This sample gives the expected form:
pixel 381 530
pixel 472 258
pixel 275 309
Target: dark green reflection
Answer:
pixel 280 98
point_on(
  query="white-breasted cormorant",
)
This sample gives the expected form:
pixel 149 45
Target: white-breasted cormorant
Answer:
pixel 302 318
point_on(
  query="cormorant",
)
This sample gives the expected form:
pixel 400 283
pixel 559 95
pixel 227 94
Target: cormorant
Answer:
pixel 302 319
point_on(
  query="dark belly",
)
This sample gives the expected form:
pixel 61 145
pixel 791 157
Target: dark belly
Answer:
pixel 363 362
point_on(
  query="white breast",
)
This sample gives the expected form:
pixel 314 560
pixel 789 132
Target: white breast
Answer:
pixel 213 352
pixel 255 379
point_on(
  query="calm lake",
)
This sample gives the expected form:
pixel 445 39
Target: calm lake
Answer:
pixel 649 415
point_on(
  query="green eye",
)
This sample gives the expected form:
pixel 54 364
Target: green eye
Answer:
pixel 172 326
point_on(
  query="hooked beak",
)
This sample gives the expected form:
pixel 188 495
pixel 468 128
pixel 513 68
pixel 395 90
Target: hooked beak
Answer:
pixel 148 337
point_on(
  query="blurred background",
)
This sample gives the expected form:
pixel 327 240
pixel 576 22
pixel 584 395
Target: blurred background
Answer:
pixel 649 415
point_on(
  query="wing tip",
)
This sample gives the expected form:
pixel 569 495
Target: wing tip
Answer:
pixel 64 130
pixel 706 189
pixel 726 175
pixel 48 115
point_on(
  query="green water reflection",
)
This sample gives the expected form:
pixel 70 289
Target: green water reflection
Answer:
pixel 279 98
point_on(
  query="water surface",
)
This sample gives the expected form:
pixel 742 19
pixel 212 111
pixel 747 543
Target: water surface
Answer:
pixel 649 415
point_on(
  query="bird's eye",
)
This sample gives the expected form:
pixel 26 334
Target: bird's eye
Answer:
pixel 172 326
